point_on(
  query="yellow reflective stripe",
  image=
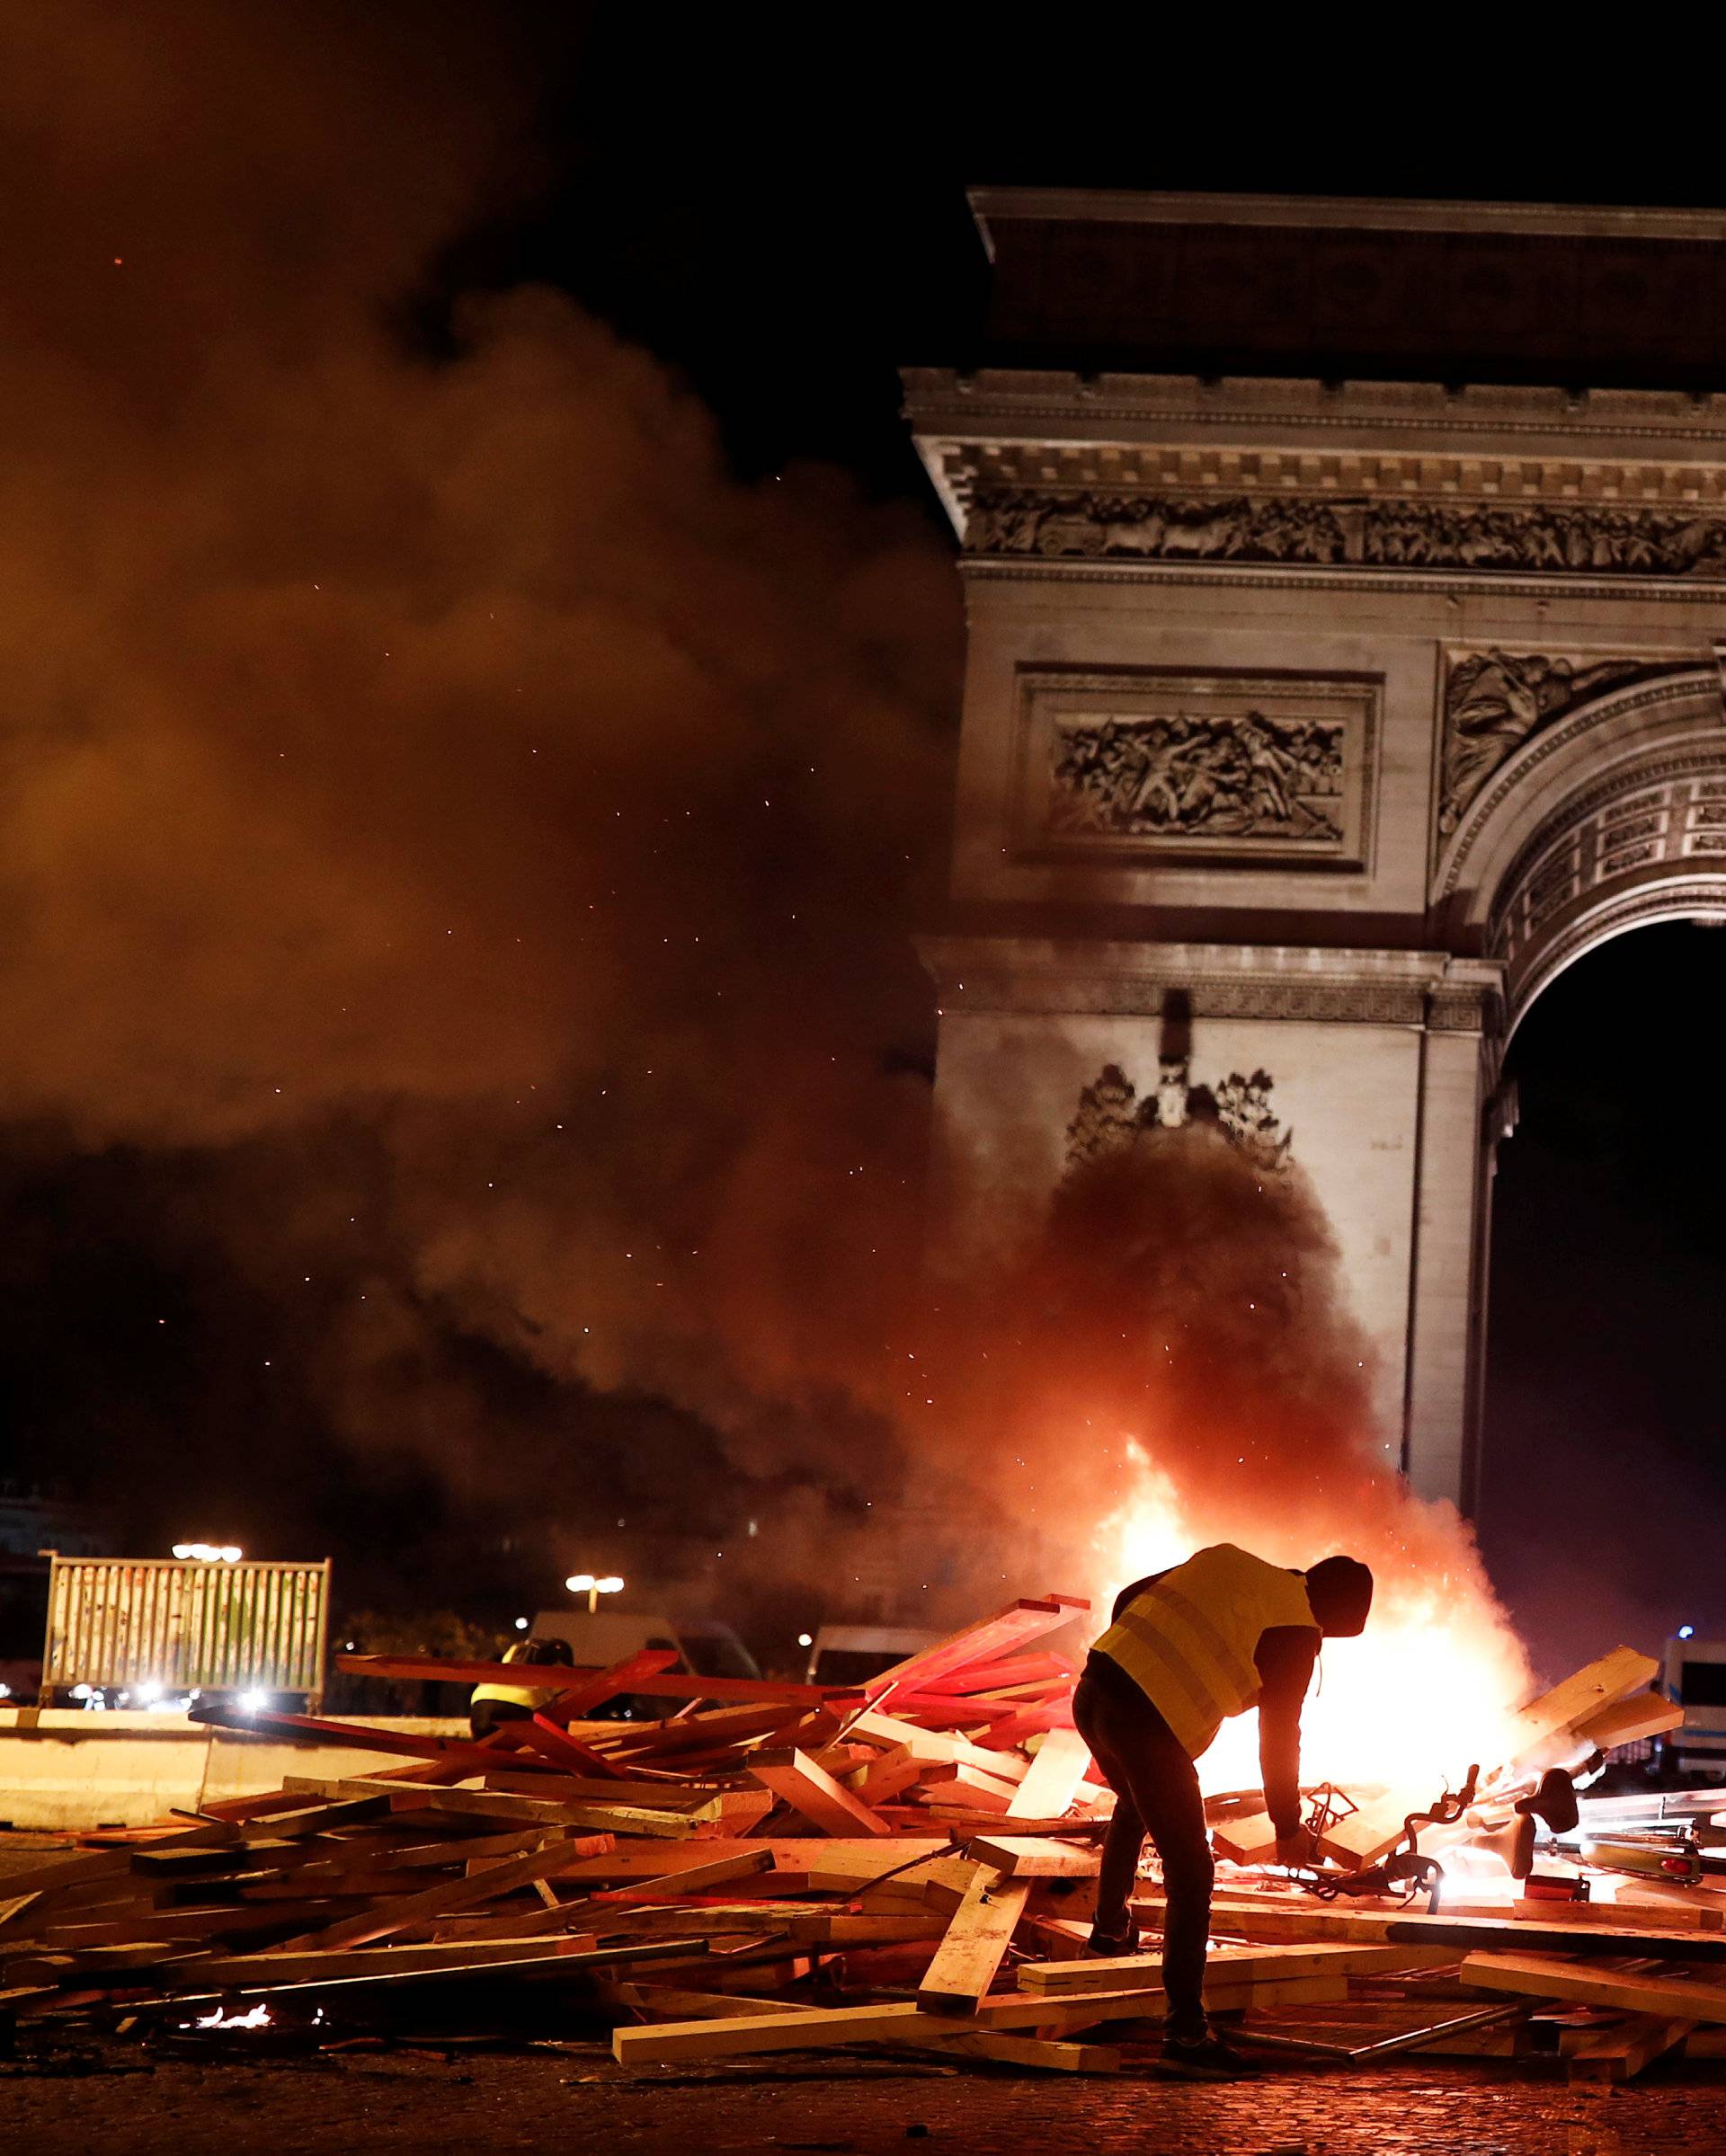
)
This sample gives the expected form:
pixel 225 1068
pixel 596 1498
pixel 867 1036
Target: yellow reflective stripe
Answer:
pixel 1145 1635
pixel 1227 1658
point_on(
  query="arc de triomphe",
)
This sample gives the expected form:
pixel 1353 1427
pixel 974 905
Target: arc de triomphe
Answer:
pixel 1324 699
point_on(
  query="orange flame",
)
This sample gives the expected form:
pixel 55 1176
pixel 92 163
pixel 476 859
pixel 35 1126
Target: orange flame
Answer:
pixel 1430 1686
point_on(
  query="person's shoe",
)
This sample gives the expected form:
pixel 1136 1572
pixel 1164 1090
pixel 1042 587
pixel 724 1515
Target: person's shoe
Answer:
pixel 1110 1943
pixel 1206 2058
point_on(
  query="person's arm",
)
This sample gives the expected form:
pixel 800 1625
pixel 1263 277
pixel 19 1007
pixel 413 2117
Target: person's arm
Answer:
pixel 1138 1587
pixel 1285 1659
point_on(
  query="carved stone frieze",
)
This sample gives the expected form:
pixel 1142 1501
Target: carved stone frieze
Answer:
pixel 1111 1116
pixel 1597 538
pixel 1183 775
pixel 1496 700
pixel 1122 764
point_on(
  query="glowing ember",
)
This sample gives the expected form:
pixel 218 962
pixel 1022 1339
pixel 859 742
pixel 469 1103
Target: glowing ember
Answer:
pixel 1430 1686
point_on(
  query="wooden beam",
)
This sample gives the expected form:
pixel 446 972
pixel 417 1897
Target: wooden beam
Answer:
pixel 1054 1777
pixel 1620 2055
pixel 820 2028
pixel 488 1803
pixel 696 1878
pixel 977 1942
pixel 796 1779
pixel 936 1744
pixel 1227 1964
pixel 995 1636
pixel 1033 1856
pixel 1305 1922
pixel 1642 1715
pixel 1544 1976
pixel 1035 2054
pixel 289 1964
pixel 1580 1698
pixel 658 1684
pixel 442 1899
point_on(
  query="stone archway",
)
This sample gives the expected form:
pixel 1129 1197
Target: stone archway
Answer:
pixel 1337 717
pixel 1614 818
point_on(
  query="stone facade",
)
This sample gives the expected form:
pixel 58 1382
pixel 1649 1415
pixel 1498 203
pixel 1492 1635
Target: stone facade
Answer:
pixel 1335 720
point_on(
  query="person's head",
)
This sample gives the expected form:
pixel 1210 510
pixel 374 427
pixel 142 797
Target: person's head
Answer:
pixel 1340 1593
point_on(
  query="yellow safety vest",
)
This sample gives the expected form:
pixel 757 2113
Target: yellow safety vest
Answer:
pixel 509 1694
pixel 1188 1640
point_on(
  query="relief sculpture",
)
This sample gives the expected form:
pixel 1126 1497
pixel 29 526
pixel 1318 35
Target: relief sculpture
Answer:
pixel 1180 775
pixel 1112 1116
pixel 1581 536
pixel 1495 700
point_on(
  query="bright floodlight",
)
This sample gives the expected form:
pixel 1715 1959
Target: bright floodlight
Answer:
pixel 580 1582
pixel 1686 1631
pixel 610 1584
pixel 521 1624
pixel 230 1553
pixel 251 1702
pixel 805 1639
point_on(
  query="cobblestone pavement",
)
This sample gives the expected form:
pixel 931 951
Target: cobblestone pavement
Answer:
pixel 574 2103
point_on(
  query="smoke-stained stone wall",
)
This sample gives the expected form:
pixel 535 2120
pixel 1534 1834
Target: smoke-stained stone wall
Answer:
pixel 1008 1138
pixel 1309 729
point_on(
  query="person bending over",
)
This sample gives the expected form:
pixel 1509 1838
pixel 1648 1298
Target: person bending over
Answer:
pixel 1187 1649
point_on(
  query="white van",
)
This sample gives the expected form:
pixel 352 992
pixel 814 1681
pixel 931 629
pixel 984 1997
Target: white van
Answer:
pixel 853 1654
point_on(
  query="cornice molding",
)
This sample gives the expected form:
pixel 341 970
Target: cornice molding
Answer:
pixel 1434 583
pixel 1013 974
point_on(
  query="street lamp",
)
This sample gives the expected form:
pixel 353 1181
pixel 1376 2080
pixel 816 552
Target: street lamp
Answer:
pixel 209 1553
pixel 587 1583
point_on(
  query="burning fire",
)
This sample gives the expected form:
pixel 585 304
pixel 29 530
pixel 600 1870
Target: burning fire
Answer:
pixel 1430 1687
pixel 258 2018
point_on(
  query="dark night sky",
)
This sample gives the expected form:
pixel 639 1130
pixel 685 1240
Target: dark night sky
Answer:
pixel 786 223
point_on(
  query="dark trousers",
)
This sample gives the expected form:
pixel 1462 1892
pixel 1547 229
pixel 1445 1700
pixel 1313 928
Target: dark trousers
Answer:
pixel 1156 1791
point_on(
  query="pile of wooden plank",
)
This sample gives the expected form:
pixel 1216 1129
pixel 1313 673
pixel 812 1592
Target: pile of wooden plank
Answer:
pixel 910 1864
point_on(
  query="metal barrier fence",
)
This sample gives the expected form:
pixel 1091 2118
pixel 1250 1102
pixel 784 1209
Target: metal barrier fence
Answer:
pixel 124 1623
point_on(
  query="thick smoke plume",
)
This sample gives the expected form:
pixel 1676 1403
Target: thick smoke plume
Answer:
pixel 465 845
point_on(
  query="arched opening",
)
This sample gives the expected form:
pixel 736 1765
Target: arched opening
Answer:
pixel 1603 1499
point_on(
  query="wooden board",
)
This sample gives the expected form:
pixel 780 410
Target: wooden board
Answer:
pixel 1546 1976
pixel 1304 1922
pixel 1620 2055
pixel 659 1683
pixel 1580 1698
pixel 797 1779
pixel 1642 1715
pixel 697 1879
pixel 1007 1631
pixel 288 1966
pixel 1033 1856
pixel 1041 2054
pixel 975 1944
pixel 821 2027
pixel 1054 1776
pixel 495 1804
pixel 936 1744
pixel 860 1859
pixel 398 1914
pixel 1245 1837
pixel 1376 1828
pixel 1225 1965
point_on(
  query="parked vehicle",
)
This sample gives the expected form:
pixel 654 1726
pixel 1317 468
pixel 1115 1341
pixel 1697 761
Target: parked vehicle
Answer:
pixel 853 1654
pixel 1695 1677
pixel 705 1647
